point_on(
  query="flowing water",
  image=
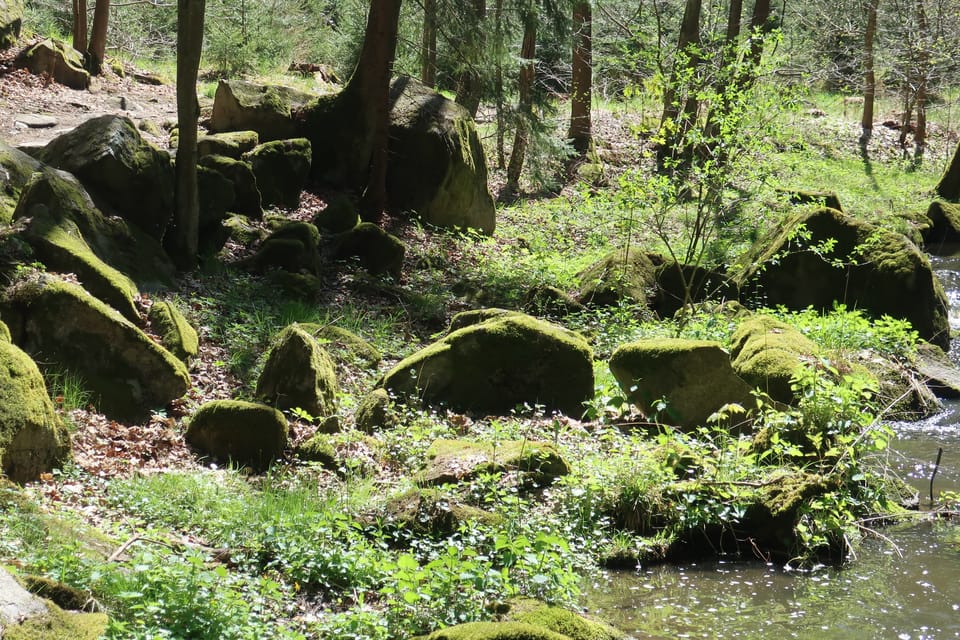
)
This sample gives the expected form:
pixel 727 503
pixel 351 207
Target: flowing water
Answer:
pixel 905 586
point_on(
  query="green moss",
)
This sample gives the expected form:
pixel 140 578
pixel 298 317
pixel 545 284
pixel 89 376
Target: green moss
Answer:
pixel 244 432
pixel 500 364
pixel 567 623
pixel 495 631
pixel 767 353
pixel 344 343
pixel 17 167
pixel 340 215
pixel 293 247
pixel 299 374
pixel 431 513
pixel 176 334
pixel 623 274
pixel 476 316
pixel 242 231
pixel 451 461
pixel 281 168
pixel 319 449
pixel 64 596
pixel 231 144
pixel 379 252
pixel 4 332
pixel 59 625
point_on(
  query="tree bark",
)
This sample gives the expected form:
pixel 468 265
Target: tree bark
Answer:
pixel 727 57
pixel 498 86
pixel 80 25
pixel 428 45
pixel 98 36
pixel 923 71
pixel 581 98
pixel 190 15
pixel 470 84
pixel 869 75
pixel 521 138
pixel 372 82
pixel 680 110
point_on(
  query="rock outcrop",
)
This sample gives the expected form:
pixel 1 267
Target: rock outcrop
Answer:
pixel 57 60
pixel 281 168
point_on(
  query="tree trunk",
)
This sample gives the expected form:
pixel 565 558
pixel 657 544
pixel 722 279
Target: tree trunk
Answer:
pixel 869 75
pixel 428 45
pixel 727 58
pixel 470 84
pixel 98 36
pixel 498 87
pixel 80 25
pixel 923 70
pixel 521 139
pixel 582 75
pixel 372 82
pixel 679 108
pixel 189 48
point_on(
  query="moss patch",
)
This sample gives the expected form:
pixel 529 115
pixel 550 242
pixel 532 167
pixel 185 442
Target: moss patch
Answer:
pixel 567 623
pixel 767 353
pixel 299 373
pixel 494 631
pixel 176 334
pixel 244 432
pixel 344 344
pixel 452 461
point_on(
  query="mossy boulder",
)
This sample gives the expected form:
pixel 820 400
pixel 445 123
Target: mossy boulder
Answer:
pixel 60 246
pixel 62 595
pixel 16 167
pixel 338 216
pixel 476 316
pixel 24 616
pixel 454 461
pixel 293 247
pixel 57 60
pixel 231 144
pixel 299 373
pixel 437 167
pixel 344 344
pixel 498 365
pixel 176 334
pixel 127 372
pixel 944 223
pixel 246 200
pixel 828 199
pixel 243 432
pixel 494 631
pixel 818 258
pixel 550 300
pixel 939 373
pixel 694 377
pixel 5 333
pixel 376 412
pixel 109 156
pixel 568 623
pixel 281 168
pixel 58 197
pixel 767 354
pixel 266 109
pixel 948 187
pixel 319 449
pixel 242 231
pixel 428 512
pixel 379 252
pixel 32 438
pixel 11 19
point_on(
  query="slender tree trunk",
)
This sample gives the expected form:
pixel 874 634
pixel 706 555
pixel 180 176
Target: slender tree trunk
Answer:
pixel 727 58
pixel 680 107
pixel 98 36
pixel 869 75
pixel 372 80
pixel 923 70
pixel 498 87
pixel 689 36
pixel 521 139
pixel 189 48
pixel 80 25
pixel 582 75
pixel 428 45
pixel 469 84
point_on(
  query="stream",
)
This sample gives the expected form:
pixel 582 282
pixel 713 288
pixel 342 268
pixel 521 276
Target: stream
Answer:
pixel 906 586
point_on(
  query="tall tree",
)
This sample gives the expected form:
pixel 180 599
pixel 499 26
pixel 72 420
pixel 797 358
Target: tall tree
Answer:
pixel 470 82
pixel 869 74
pixel 80 25
pixel 581 98
pixel 190 15
pixel 98 36
pixel 680 101
pixel 521 139
pixel 428 44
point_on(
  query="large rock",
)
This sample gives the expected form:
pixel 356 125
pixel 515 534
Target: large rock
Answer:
pixel 294 247
pixel 437 168
pixel 949 186
pixel 247 199
pixel 266 109
pixel 379 252
pixel 59 197
pixel 817 258
pixel 452 461
pixel 281 168
pixel 299 374
pixel 767 354
pixel 231 144
pixel 693 377
pixel 57 60
pixel 58 322
pixel 24 616
pixel 11 19
pixel 176 334
pixel 944 223
pixel 110 158
pixel 243 432
pixel 498 365
pixel 32 438
pixel 16 167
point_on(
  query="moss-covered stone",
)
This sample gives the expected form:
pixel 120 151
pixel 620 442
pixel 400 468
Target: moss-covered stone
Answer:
pixel 266 109
pixel 242 231
pixel 948 187
pixel 61 247
pixel 476 316
pixel 59 625
pixel 822 198
pixel 11 19
pixel 56 60
pixel 299 373
pixel 16 167
pixel 427 512
pixel 243 432
pixel 281 168
pixel 498 365
pixel 767 354
pixel 453 461
pixel 293 247
pixel 32 438
pixel 58 196
pixel 376 412
pixel 108 155
pixel 338 216
pixel 944 225
pixel 494 631
pixel 4 333
pixel 319 449
pixel 176 334
pixel 568 623
pixel 344 344
pixel 695 378
pixel 246 199
pixel 866 267
pixel 231 144
pixel 546 299
pixel 378 251
pixel 62 595
pixel 127 372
